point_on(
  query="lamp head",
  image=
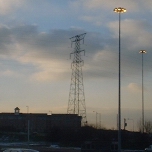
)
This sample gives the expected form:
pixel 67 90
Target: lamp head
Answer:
pixel 142 51
pixel 120 10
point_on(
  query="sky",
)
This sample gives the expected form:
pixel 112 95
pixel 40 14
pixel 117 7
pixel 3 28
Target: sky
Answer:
pixel 35 64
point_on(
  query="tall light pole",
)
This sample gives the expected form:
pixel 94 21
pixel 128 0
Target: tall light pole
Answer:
pixel 143 123
pixel 119 10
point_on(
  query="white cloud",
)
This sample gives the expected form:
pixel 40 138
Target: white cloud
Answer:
pixel 50 71
pixel 46 52
pixel 7 6
pixel 107 5
pixel 96 20
pixel 136 33
pixel 104 55
pixel 134 87
pixel 9 73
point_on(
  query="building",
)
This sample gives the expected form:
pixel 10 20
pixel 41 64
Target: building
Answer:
pixel 38 122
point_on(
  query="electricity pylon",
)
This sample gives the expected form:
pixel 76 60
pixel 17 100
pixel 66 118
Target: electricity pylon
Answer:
pixel 76 104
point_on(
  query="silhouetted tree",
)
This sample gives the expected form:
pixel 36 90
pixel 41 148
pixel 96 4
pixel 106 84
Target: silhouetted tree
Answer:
pixel 148 126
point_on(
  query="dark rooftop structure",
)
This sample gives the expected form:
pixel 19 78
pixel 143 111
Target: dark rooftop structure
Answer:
pixel 39 122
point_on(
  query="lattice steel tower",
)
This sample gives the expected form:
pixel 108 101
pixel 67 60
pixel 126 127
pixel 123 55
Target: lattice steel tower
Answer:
pixel 76 104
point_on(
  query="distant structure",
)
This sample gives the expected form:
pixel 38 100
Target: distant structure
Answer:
pixel 39 122
pixel 76 103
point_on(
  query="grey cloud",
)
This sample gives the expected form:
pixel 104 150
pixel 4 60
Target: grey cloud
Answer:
pixel 43 48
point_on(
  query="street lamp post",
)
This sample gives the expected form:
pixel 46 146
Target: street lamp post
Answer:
pixel 27 109
pixel 28 126
pixel 142 52
pixel 132 124
pixel 119 10
pixel 96 119
pixel 99 120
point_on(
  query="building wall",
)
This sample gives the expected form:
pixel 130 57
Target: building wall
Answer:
pixel 66 120
pixel 39 122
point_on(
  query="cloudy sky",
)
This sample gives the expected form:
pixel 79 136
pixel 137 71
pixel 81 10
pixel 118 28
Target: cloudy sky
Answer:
pixel 35 64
